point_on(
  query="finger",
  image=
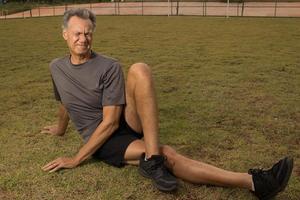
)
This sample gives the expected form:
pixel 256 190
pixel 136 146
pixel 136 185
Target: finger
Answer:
pixel 46 131
pixel 52 167
pixel 54 162
pixel 49 167
pixel 56 168
pixel 47 127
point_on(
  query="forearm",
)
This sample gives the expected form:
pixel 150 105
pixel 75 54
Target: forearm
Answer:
pixel 63 120
pixel 100 135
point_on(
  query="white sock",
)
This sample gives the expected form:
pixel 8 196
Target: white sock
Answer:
pixel 253 188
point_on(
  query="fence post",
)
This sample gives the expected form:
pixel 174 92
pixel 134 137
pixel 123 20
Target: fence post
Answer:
pixel 171 7
pixel 275 11
pixel 39 12
pixel 115 8
pixel 205 7
pixel 142 7
pixel 202 8
pixel 243 4
pixel 177 7
pixel 30 11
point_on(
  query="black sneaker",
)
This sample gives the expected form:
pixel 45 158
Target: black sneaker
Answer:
pixel 154 168
pixel 267 183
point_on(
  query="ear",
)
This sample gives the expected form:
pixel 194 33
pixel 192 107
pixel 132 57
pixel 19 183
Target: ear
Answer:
pixel 65 35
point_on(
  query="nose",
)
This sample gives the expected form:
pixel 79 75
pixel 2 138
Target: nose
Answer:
pixel 82 38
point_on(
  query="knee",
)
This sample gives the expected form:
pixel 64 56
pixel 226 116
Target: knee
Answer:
pixel 170 154
pixel 140 70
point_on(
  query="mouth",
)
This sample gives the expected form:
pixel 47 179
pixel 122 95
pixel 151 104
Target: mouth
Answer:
pixel 83 46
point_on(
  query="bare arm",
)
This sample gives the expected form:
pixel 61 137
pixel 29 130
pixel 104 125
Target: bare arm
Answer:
pixel 60 128
pixel 111 117
pixel 110 123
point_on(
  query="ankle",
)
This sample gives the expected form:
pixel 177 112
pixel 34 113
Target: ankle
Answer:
pixel 252 186
pixel 149 156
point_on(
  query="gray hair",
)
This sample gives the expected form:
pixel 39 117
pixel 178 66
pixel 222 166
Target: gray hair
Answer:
pixel 82 13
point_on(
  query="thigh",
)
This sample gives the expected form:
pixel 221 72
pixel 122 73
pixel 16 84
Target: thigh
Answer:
pixel 130 111
pixel 137 148
pixel 134 152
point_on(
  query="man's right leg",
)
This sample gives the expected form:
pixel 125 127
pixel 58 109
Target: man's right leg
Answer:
pixel 141 114
pixel 265 183
pixel 191 170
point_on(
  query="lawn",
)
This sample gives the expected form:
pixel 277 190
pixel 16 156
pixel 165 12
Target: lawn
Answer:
pixel 13 7
pixel 228 92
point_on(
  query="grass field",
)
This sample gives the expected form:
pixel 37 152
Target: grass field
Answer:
pixel 228 93
pixel 14 7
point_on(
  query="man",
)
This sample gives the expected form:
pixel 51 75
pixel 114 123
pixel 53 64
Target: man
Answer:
pixel 112 122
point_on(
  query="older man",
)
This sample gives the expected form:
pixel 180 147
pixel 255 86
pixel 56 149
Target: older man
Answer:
pixel 121 127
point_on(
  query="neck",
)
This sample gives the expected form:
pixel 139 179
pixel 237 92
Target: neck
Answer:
pixel 79 59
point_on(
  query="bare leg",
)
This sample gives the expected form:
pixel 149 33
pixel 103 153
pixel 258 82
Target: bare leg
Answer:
pixel 141 107
pixel 191 170
pixel 142 115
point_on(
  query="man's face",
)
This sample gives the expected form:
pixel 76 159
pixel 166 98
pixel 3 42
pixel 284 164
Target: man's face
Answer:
pixel 79 35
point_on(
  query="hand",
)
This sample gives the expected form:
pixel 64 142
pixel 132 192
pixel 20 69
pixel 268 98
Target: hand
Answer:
pixel 60 163
pixel 52 130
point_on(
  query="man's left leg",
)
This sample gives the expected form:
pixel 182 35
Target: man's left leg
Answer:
pixel 141 108
pixel 142 115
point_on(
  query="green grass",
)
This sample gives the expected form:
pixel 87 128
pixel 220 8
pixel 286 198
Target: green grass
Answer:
pixel 14 7
pixel 228 92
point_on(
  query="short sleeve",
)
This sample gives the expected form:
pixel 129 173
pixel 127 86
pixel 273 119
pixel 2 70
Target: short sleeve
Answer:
pixel 114 86
pixel 56 94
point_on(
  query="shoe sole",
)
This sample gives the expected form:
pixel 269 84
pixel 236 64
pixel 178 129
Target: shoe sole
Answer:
pixel 290 164
pixel 161 188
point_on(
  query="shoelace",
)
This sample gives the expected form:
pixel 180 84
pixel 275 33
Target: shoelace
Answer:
pixel 256 171
pixel 159 166
pixel 262 175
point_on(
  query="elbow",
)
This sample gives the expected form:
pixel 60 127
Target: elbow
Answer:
pixel 112 126
pixel 115 126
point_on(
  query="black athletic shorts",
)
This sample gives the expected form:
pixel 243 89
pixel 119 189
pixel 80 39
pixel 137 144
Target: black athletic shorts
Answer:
pixel 113 150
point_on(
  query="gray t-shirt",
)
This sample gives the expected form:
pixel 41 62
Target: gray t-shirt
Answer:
pixel 84 89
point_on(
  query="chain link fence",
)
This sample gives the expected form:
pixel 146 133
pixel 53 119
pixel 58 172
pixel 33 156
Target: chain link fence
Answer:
pixel 171 8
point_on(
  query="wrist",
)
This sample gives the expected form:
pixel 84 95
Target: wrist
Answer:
pixel 76 160
pixel 60 132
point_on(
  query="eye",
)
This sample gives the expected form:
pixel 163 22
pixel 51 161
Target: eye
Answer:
pixel 88 34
